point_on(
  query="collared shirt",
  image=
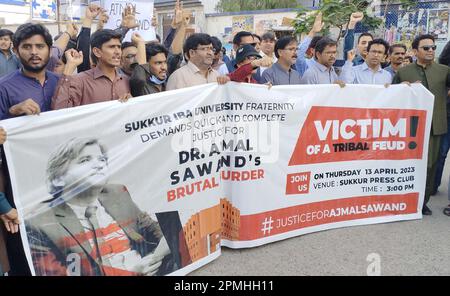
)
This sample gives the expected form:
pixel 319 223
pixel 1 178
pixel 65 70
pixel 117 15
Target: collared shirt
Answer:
pixel 16 88
pixel 277 75
pixel 190 75
pixel 362 74
pixel 9 63
pixel 319 74
pixel 89 87
pixel 114 245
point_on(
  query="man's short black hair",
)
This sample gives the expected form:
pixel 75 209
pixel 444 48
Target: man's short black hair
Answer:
pixel 396 45
pixel 238 37
pixel 314 41
pixel 269 36
pixel 28 30
pixel 365 34
pixel 153 49
pixel 216 44
pixel 127 44
pixel 415 44
pixel 282 43
pixel 379 41
pixel 6 32
pixel 158 38
pixel 193 41
pixel 323 43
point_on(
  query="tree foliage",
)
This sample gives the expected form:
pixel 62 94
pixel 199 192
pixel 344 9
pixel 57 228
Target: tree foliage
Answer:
pixel 336 13
pixel 241 5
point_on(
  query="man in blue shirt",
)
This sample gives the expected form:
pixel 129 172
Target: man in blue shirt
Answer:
pixel 397 53
pixel 8 60
pixel 29 90
pixel 26 91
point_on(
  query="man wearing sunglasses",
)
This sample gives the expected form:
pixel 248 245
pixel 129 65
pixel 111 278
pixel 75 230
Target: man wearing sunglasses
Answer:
pixel 436 78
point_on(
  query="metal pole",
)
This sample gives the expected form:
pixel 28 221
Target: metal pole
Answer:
pixel 58 17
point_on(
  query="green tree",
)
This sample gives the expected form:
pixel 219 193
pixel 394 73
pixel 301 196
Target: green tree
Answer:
pixel 336 13
pixel 240 5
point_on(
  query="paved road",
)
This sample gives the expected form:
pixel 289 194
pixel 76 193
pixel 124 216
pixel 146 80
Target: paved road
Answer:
pixel 419 247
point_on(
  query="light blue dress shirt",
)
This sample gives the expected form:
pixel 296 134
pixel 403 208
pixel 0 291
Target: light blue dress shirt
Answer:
pixel 362 74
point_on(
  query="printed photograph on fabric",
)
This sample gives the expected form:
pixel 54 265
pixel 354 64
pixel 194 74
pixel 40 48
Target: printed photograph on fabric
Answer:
pixel 91 227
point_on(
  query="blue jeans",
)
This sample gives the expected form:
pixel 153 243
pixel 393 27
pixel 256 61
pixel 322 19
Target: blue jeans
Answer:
pixel 445 146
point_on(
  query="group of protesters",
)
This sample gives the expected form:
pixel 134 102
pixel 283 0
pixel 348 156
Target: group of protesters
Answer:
pixel 39 73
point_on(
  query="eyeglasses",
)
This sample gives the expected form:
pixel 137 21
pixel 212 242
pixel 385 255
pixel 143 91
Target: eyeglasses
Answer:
pixel 427 48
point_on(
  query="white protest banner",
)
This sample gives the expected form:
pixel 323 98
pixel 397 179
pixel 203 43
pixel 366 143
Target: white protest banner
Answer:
pixel 156 185
pixel 144 14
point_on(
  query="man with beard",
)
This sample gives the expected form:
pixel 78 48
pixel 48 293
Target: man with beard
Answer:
pixel 281 73
pixel 26 91
pixel 320 70
pixel 397 54
pixel 436 78
pixel 102 83
pixel 29 90
pixel 199 50
pixel 150 77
